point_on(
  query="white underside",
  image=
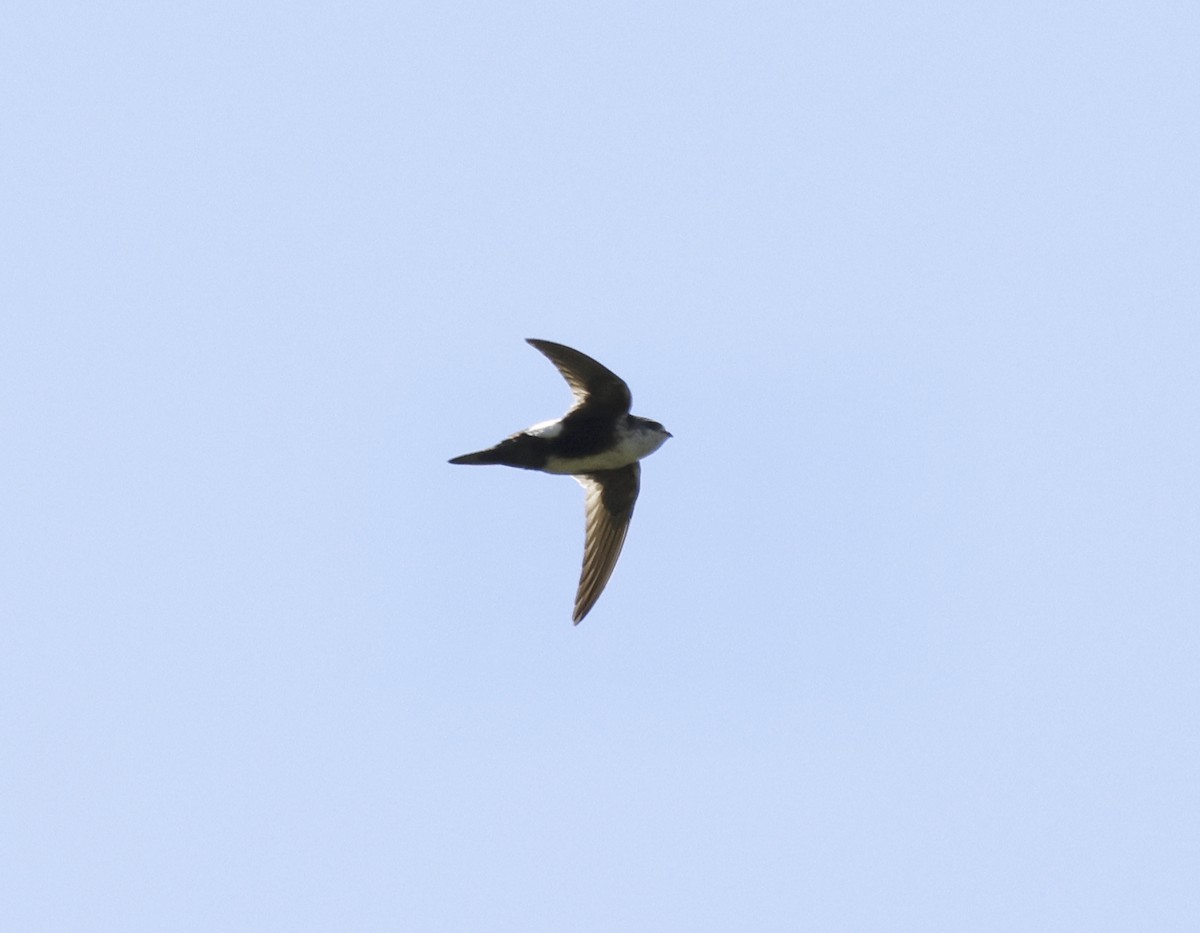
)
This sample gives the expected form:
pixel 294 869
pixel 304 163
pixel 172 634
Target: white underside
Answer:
pixel 631 449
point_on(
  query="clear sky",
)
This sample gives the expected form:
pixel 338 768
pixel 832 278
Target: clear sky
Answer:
pixel 906 634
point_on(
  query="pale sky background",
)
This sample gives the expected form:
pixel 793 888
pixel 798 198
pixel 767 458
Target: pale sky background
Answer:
pixel 906 635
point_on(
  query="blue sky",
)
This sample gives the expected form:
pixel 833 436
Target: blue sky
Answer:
pixel 905 633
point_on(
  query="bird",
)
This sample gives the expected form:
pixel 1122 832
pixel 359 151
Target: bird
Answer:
pixel 600 444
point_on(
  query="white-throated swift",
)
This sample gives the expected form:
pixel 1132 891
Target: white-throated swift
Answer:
pixel 599 443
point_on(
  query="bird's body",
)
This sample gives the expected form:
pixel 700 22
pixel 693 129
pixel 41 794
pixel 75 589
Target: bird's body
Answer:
pixel 574 447
pixel 599 443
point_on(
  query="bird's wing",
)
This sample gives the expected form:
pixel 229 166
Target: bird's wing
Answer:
pixel 608 503
pixel 596 388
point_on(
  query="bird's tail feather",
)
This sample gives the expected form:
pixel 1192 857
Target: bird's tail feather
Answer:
pixel 520 450
pixel 481 456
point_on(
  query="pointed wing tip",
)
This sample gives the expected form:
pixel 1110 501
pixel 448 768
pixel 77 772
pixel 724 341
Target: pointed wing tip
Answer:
pixel 544 347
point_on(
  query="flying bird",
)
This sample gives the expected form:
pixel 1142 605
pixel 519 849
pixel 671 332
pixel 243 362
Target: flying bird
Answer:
pixel 599 443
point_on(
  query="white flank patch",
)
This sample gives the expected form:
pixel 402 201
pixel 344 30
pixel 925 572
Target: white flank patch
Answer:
pixel 546 429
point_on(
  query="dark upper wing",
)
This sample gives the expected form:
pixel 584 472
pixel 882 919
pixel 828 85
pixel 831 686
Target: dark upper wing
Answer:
pixel 595 388
pixel 609 499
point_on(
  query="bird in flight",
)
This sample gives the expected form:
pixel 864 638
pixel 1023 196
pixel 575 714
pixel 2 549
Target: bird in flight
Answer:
pixel 599 443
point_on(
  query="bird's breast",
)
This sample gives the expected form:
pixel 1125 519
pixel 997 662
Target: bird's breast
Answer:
pixel 625 449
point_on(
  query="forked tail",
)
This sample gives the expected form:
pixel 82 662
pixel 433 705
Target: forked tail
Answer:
pixel 520 450
pixel 481 456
